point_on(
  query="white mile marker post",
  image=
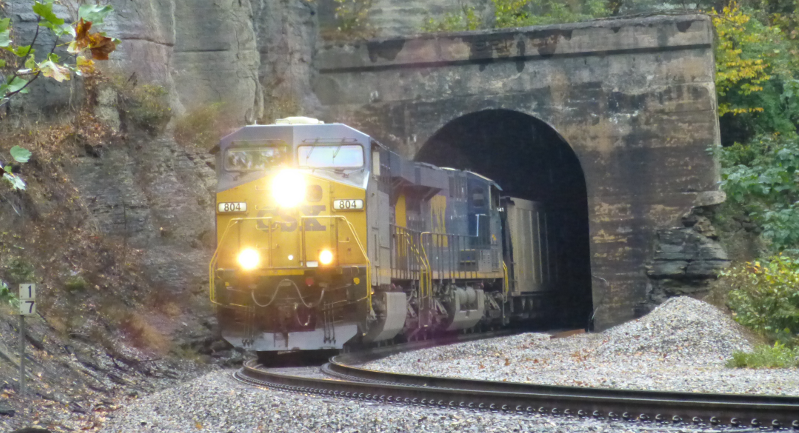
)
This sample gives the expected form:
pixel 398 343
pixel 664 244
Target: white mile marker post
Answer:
pixel 27 307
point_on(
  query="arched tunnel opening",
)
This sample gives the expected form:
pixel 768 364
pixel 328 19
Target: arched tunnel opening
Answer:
pixel 531 161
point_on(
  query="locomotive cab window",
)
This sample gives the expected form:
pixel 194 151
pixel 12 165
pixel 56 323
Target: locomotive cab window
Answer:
pixel 327 156
pixel 256 158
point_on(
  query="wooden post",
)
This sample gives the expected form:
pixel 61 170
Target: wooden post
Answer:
pixel 21 355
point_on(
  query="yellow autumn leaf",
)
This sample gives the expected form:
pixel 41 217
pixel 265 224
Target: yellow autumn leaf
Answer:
pixel 85 65
pixel 55 71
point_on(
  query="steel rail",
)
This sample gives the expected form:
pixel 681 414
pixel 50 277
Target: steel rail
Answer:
pixel 737 410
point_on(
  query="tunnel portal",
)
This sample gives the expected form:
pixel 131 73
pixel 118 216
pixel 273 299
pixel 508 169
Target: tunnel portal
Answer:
pixel 529 160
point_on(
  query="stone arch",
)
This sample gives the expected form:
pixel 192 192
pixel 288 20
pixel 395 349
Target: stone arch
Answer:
pixel 530 160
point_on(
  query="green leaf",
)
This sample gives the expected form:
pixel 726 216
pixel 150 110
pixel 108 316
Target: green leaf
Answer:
pixel 30 63
pixel 2 63
pixel 5 38
pixel 5 24
pixel 45 10
pixel 94 13
pixel 67 29
pixel 15 181
pixel 21 51
pixel 20 154
pixel 54 58
pixel 17 85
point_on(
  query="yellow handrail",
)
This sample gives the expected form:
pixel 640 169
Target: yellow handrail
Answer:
pixel 357 240
pixel 234 221
pixel 426 285
pixel 505 285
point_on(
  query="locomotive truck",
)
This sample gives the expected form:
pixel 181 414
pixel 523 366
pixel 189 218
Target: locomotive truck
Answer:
pixel 327 239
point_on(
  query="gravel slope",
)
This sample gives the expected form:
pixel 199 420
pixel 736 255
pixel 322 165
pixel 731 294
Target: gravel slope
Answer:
pixel 681 346
pixel 218 403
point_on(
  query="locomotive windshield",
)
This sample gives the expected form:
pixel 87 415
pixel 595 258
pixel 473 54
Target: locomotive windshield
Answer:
pixel 336 156
pixel 256 158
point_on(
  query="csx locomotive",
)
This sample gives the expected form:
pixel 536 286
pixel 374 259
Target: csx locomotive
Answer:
pixel 326 239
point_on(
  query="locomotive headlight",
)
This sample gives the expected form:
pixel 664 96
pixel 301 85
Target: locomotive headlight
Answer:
pixel 325 257
pixel 249 259
pixel 288 188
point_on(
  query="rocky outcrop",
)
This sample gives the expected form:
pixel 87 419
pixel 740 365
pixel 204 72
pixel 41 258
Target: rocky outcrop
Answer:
pixel 286 36
pixel 686 259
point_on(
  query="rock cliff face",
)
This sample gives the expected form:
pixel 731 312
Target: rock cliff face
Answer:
pixel 201 51
pixel 154 193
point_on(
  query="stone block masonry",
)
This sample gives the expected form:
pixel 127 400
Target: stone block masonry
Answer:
pixel 635 99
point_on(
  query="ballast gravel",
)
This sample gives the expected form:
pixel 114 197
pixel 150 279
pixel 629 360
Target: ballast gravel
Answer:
pixel 218 403
pixel 682 345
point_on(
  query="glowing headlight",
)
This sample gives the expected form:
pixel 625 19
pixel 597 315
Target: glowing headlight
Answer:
pixel 249 259
pixel 288 188
pixel 325 257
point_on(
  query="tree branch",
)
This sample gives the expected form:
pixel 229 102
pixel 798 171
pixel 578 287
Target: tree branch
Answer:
pixel 30 50
pixel 52 50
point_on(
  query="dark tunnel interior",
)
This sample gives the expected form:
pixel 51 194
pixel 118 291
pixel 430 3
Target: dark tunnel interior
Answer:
pixel 529 160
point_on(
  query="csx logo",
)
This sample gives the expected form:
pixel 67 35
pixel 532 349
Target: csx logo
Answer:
pixel 290 220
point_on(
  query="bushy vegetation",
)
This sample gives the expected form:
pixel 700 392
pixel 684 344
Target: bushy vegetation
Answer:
pixel 7 296
pixel 757 79
pixel 144 105
pixel 761 179
pixel 764 356
pixel 466 19
pixel 201 127
pixel 352 20
pixel 764 296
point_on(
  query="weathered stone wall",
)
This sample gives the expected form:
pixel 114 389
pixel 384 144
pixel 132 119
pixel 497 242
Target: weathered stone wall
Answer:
pixel 634 98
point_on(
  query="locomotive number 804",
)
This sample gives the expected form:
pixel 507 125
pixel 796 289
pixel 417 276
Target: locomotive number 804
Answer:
pixel 325 238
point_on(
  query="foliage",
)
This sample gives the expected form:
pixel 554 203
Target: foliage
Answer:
pixel 764 356
pixel 200 127
pixel 466 19
pixel 83 44
pixel 20 155
pixel 521 13
pixel 765 297
pixel 353 17
pixel 20 271
pixel 762 178
pixel 755 73
pixel 7 296
pixel 75 283
pixel 145 105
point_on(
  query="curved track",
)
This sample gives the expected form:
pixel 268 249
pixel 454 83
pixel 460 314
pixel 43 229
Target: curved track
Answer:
pixel 349 381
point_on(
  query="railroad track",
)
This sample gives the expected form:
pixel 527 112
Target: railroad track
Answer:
pixel 349 381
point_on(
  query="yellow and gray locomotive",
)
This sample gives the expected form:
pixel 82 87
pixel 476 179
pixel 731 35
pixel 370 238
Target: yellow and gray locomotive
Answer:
pixel 325 238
